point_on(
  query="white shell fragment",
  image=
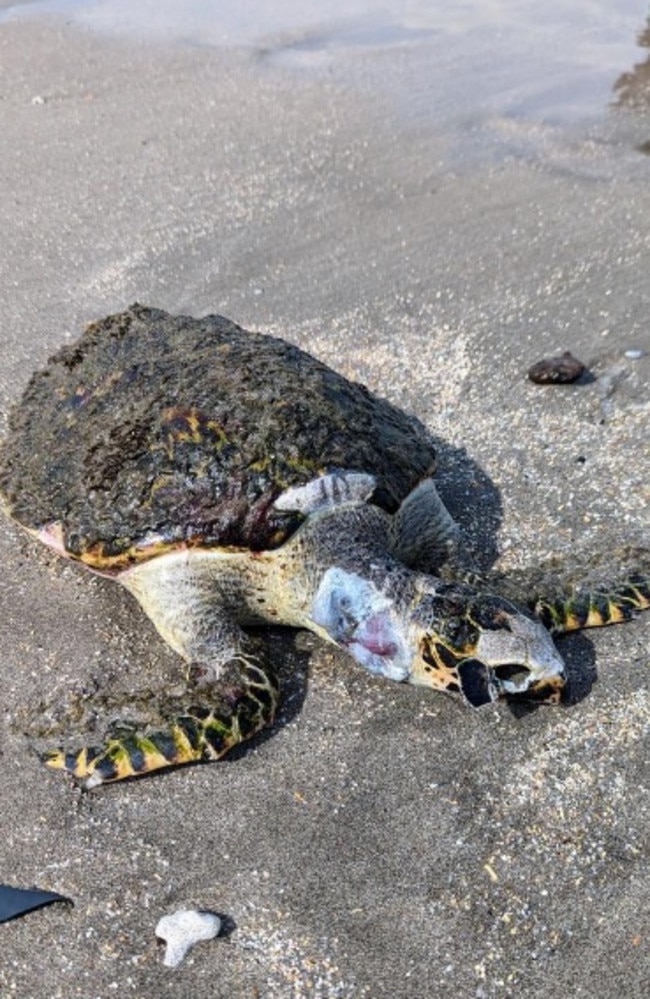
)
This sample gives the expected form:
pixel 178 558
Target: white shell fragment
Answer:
pixel 184 928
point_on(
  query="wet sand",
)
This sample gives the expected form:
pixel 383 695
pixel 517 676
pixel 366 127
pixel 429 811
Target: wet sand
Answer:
pixel 379 841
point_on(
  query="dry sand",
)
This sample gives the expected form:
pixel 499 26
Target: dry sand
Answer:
pixel 381 842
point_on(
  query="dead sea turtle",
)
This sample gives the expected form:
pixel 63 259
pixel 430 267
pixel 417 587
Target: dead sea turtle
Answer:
pixel 229 479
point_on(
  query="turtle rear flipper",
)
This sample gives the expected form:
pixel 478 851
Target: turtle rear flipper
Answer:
pixel 594 608
pixel 232 710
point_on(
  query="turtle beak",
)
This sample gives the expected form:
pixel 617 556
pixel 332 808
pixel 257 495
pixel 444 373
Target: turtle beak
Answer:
pixel 523 659
pixel 547 690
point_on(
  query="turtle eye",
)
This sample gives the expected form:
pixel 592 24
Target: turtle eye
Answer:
pixel 460 633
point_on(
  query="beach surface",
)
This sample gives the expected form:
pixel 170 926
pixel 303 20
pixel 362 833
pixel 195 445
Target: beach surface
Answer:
pixel 429 215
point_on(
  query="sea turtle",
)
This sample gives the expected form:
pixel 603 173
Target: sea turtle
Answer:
pixel 229 479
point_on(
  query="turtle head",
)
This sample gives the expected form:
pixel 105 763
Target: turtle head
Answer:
pixel 482 646
pixel 415 628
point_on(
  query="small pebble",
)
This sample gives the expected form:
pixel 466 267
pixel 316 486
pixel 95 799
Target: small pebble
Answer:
pixel 557 370
pixel 634 354
pixel 182 929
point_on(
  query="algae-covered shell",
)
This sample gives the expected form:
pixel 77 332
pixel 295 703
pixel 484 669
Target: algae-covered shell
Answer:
pixel 153 431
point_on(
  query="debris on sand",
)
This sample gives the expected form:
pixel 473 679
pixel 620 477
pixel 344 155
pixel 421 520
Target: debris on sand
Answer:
pixel 184 928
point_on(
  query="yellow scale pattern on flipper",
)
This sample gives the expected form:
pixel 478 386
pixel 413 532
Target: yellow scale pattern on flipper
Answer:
pixel 200 734
pixel 597 608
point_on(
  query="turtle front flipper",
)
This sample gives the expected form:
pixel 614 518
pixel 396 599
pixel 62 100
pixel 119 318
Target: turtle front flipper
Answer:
pixel 193 603
pixel 594 608
pixel 232 710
